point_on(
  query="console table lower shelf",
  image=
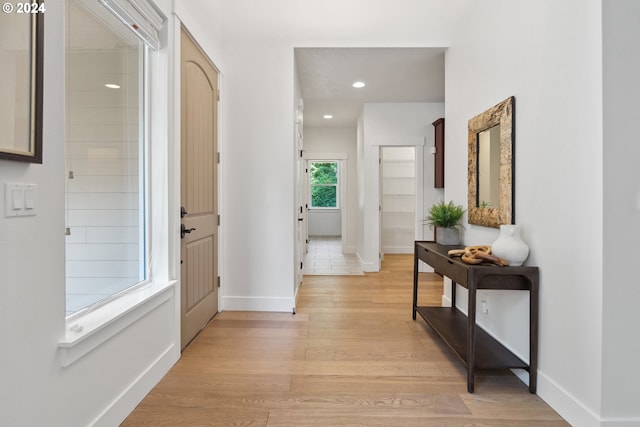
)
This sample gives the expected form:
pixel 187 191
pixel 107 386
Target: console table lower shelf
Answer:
pixel 451 325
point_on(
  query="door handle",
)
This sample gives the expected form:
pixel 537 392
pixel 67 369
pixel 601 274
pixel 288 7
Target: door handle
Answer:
pixel 184 230
pixel 183 212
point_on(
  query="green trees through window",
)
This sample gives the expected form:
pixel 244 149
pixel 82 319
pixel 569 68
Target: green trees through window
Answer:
pixel 323 177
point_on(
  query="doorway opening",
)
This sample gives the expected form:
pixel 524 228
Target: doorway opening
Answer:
pixel 326 220
pixel 398 173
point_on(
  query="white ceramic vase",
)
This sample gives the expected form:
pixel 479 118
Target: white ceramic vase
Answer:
pixel 510 246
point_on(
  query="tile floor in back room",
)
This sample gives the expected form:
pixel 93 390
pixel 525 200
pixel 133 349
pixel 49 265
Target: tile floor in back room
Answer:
pixel 324 257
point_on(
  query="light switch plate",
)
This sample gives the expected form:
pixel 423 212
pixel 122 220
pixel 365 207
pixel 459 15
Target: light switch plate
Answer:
pixel 20 200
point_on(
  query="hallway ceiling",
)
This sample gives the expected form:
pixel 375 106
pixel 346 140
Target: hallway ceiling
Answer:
pixel 391 75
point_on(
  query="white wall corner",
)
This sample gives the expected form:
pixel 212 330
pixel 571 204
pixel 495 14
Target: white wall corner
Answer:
pixel 572 410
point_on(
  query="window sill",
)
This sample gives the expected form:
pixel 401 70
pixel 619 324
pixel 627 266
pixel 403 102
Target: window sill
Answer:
pixel 84 334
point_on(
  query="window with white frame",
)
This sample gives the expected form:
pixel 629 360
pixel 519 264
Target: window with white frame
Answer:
pixel 324 184
pixel 105 150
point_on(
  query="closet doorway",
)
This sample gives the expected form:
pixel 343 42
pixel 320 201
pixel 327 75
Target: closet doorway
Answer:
pixel 398 176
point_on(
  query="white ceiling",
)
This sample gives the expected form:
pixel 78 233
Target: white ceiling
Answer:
pixel 390 74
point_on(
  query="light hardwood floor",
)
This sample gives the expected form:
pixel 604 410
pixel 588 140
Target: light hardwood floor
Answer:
pixel 351 356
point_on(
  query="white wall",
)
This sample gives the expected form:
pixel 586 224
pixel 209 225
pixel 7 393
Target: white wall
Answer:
pixel 258 90
pixel 397 124
pixel 400 124
pixel 203 20
pixel 621 346
pixel 259 196
pixel 556 78
pixel 325 222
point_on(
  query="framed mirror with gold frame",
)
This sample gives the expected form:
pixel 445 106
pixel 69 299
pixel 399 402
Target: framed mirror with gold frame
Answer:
pixel 491 166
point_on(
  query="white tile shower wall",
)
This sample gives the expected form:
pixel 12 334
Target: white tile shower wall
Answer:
pixel 102 143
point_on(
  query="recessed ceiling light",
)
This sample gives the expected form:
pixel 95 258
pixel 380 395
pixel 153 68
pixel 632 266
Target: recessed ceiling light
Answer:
pixel 112 86
pixel 328 116
pixel 358 85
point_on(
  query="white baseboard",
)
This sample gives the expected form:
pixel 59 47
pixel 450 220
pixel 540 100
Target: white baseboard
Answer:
pixel 126 402
pixel 620 422
pixel 348 249
pixel 575 412
pixel 283 305
pixel 367 267
pixel 569 408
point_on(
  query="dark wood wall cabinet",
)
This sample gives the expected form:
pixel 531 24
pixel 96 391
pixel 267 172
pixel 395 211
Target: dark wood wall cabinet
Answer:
pixel 438 126
pixel 475 347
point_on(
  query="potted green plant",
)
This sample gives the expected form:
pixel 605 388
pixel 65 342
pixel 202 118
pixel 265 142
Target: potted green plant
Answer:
pixel 446 217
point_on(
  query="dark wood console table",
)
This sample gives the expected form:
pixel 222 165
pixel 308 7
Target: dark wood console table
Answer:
pixel 472 344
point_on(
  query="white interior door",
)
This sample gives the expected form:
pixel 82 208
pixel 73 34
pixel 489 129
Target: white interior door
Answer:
pixel 302 232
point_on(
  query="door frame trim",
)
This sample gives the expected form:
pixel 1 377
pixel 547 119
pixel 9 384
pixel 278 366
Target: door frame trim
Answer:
pixel 342 158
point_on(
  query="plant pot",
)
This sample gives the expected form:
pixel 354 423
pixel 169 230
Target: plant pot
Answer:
pixel 447 236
